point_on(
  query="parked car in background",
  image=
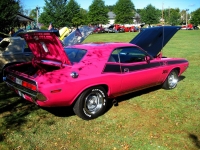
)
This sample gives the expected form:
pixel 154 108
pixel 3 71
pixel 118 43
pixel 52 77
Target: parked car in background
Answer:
pixel 187 27
pixel 110 29
pixel 13 50
pixel 87 76
pixel 99 30
pixel 64 32
pixel 196 27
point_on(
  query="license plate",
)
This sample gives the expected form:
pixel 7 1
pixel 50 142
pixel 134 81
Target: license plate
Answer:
pixel 18 81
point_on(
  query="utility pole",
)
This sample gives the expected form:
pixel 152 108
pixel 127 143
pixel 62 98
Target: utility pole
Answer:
pixel 37 12
pixel 162 14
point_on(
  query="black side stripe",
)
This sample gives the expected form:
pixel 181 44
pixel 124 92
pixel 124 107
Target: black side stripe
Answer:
pixel 115 68
pixel 173 62
pixel 141 67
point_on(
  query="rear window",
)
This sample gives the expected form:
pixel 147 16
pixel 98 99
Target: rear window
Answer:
pixel 75 55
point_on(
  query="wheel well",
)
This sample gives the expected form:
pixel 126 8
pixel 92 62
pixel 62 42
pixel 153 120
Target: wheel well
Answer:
pixel 177 69
pixel 99 85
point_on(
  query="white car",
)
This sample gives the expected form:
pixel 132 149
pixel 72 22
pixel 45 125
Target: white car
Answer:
pixel 13 50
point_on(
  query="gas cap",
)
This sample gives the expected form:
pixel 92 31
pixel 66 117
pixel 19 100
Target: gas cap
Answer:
pixel 74 75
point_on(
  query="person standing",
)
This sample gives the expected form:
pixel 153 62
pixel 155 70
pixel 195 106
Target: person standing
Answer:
pixel 12 31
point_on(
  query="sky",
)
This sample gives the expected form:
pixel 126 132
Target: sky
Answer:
pixel 192 5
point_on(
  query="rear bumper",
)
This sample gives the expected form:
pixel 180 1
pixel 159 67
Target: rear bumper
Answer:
pixel 26 93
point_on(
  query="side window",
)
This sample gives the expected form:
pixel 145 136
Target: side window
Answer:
pixel 114 57
pixel 131 55
pixel 127 55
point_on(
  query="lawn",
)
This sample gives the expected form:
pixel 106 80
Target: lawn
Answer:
pixel 152 119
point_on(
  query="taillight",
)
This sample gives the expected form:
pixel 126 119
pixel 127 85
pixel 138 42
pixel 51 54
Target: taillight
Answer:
pixel 29 85
pixel 23 83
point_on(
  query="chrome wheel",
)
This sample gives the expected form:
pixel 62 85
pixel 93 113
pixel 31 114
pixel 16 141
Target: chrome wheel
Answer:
pixel 172 79
pixel 93 102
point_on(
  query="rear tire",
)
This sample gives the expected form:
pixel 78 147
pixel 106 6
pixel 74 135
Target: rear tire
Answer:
pixel 171 80
pixel 91 103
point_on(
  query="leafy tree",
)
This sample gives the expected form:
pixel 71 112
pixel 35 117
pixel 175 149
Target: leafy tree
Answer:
pixel 9 10
pixel 74 15
pixel 33 14
pixel 84 16
pixel 124 11
pixel 98 13
pixel 150 15
pixel 110 7
pixel 172 16
pixel 54 12
pixel 195 17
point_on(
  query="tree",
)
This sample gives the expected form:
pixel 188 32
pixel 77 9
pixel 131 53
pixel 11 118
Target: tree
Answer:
pixel 110 7
pixel 9 10
pixel 150 15
pixel 98 13
pixel 54 12
pixel 33 14
pixel 195 17
pixel 172 16
pixel 75 15
pixel 124 11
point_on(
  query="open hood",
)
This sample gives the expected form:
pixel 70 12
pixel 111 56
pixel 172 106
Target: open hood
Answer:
pixel 78 36
pixel 46 45
pixel 152 40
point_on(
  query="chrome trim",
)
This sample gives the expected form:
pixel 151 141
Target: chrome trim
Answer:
pixel 55 62
pixel 20 89
pixel 34 95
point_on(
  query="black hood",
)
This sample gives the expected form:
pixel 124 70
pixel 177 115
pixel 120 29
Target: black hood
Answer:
pixel 152 40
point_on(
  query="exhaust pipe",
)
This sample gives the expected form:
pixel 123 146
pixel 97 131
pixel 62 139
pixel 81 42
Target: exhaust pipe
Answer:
pixel 115 102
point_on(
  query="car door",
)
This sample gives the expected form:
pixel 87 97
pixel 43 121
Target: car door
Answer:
pixel 137 72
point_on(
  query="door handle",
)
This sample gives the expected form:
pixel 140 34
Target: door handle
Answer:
pixel 126 70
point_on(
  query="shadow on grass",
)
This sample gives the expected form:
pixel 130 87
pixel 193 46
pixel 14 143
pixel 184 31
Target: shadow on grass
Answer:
pixel 195 140
pixel 13 110
pixel 181 78
pixel 60 111
pixel 137 93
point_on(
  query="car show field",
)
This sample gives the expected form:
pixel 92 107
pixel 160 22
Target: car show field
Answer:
pixel 153 118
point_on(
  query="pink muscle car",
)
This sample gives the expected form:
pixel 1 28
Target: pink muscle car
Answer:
pixel 86 75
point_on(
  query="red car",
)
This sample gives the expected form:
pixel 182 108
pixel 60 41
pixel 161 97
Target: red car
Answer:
pixel 86 76
pixel 99 30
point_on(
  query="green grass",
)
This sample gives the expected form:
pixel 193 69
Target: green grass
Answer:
pixel 152 119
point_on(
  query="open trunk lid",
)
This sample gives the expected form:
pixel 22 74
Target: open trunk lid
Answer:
pixel 45 45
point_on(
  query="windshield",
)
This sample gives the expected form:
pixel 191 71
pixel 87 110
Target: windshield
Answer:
pixel 75 55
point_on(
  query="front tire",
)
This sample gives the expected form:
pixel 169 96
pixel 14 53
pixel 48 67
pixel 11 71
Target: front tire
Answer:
pixel 171 80
pixel 91 103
